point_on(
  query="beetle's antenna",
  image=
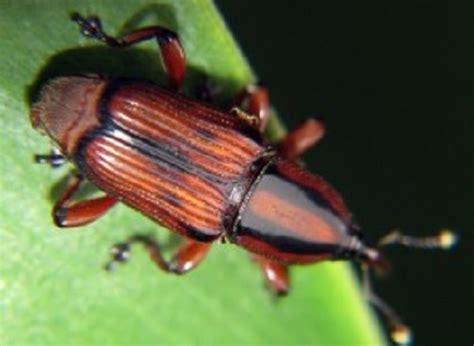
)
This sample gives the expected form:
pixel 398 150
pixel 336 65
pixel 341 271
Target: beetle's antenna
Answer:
pixel 399 331
pixel 444 240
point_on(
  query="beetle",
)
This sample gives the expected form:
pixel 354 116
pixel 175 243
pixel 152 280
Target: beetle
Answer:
pixel 205 173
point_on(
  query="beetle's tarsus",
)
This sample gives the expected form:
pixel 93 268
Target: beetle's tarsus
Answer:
pixel 188 256
pixel 55 159
pixel 120 253
pixel 172 53
pixel 251 120
pixel 254 100
pixel 91 27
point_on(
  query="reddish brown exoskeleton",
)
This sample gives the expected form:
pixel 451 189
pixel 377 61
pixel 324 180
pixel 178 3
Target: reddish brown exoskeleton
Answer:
pixel 202 172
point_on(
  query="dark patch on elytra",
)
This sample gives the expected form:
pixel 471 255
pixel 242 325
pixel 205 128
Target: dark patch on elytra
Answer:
pixel 205 133
pixel 171 198
pixel 163 154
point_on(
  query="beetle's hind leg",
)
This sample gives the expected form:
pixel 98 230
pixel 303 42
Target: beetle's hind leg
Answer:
pixel 55 159
pixel 188 256
pixel 172 52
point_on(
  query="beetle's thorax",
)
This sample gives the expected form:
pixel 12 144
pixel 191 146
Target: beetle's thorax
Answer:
pixel 293 216
pixel 67 109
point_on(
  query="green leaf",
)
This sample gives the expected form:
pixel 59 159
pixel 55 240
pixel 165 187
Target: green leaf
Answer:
pixel 52 287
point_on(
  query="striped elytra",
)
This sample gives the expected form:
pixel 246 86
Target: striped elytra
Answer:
pixel 181 163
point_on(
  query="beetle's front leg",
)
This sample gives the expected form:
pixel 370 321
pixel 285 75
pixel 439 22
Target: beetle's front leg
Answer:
pixel 301 139
pixel 188 256
pixel 67 213
pixel 275 275
pixel 172 52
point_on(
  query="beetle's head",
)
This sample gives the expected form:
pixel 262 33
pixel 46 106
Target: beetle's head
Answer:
pixel 355 248
pixel 67 108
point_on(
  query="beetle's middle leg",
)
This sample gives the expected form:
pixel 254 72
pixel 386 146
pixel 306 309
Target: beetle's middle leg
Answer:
pixel 301 139
pixel 255 101
pixel 275 275
pixel 188 256
pixel 172 52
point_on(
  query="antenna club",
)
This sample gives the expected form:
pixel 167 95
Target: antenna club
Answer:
pixel 447 239
pixel 401 334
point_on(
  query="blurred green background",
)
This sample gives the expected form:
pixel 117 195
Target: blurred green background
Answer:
pixel 394 82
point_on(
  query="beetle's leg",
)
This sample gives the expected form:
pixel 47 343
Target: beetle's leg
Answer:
pixel 301 139
pixel 188 256
pixel 55 159
pixel 67 213
pixel 255 101
pixel 172 52
pixel 275 275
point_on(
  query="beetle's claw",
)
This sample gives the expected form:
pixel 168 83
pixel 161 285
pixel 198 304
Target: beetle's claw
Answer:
pixel 120 253
pixel 90 27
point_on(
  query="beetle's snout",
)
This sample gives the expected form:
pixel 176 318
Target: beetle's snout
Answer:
pixel 67 107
